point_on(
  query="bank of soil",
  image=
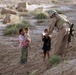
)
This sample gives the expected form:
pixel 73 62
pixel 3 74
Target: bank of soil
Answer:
pixel 10 53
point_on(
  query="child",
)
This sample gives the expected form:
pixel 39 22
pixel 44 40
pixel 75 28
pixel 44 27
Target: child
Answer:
pixel 45 32
pixel 28 40
pixel 23 46
pixel 47 44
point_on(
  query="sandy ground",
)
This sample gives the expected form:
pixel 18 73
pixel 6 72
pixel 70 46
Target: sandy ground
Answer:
pixel 10 53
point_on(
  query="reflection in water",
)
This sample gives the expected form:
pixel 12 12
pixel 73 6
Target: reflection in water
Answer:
pixel 35 6
pixel 33 22
pixel 65 8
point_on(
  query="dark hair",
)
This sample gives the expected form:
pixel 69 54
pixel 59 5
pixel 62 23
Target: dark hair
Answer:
pixel 20 30
pixel 46 30
pixel 26 29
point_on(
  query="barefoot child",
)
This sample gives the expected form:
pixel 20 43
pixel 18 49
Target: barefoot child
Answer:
pixel 47 44
pixel 23 46
pixel 28 40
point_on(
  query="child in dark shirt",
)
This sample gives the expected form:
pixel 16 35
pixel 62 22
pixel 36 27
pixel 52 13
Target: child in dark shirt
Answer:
pixel 46 44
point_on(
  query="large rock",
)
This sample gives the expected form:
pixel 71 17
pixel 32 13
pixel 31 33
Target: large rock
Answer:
pixel 68 68
pixel 22 6
pixel 7 10
pixel 10 18
pixel 20 9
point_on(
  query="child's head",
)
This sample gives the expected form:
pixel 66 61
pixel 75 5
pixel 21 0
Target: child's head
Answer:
pixel 46 30
pixel 21 31
pixel 26 30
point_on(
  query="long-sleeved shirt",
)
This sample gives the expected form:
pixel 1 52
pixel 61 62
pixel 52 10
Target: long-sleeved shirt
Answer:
pixel 59 21
pixel 22 41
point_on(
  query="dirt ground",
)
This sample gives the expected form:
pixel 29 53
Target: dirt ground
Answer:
pixel 10 53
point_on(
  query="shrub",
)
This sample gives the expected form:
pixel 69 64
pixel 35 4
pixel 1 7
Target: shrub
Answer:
pixel 26 22
pixel 33 72
pixel 38 10
pixel 8 6
pixel 30 3
pixel 21 25
pixel 54 1
pixel 13 29
pixel 55 59
pixel 9 26
pixel 41 16
pixel 10 31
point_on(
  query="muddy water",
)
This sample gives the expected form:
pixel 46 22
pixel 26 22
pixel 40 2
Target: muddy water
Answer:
pixel 44 6
pixel 2 27
pixel 33 22
pixel 38 28
pixel 65 8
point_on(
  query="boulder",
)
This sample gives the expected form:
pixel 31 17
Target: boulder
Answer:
pixel 7 10
pixel 22 7
pixel 23 4
pixel 10 18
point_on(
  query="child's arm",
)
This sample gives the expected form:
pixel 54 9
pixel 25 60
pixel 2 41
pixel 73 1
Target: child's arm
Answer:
pixel 42 37
pixel 49 38
pixel 29 46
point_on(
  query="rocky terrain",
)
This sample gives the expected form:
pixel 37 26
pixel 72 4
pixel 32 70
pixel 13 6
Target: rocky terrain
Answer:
pixel 10 53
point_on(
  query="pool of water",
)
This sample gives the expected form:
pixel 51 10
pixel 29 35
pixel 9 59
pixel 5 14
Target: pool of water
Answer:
pixel 65 8
pixel 35 6
pixel 33 22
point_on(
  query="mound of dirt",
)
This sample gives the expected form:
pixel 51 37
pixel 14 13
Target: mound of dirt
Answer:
pixel 68 68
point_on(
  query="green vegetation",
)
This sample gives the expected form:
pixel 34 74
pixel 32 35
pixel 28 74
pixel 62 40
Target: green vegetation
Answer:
pixel 13 29
pixel 54 1
pixel 33 72
pixel 26 22
pixel 55 59
pixel 8 6
pixel 30 3
pixel 41 16
pixel 37 11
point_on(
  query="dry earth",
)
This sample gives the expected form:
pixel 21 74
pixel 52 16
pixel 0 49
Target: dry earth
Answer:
pixel 10 53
